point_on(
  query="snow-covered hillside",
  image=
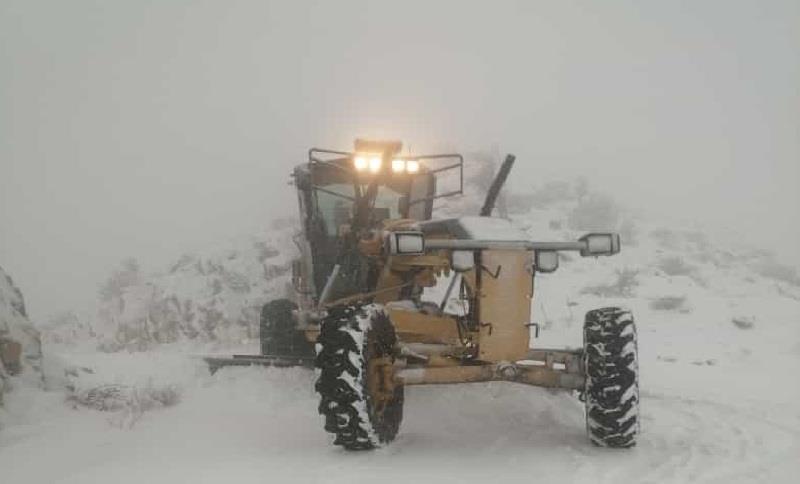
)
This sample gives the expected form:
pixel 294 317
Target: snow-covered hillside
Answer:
pixel 719 329
pixel 213 299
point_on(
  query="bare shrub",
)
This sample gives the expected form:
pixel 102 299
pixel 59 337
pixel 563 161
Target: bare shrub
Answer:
pixel 126 275
pixel 675 266
pixel 743 322
pixel 699 239
pixel 543 196
pixel 772 269
pixel 265 251
pixel 552 192
pixel 67 328
pixel 127 402
pixel 518 203
pixel 668 303
pixel 665 238
pixel 595 212
pixel 623 287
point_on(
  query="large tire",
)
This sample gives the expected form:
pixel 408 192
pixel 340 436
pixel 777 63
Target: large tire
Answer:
pixel 611 391
pixel 359 397
pixel 278 332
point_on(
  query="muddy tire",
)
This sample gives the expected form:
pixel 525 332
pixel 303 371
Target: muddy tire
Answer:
pixel 361 402
pixel 611 392
pixel 278 332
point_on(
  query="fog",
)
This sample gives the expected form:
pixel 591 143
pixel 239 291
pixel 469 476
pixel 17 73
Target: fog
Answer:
pixel 149 128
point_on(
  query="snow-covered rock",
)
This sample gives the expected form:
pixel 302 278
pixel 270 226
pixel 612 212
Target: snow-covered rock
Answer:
pixel 20 347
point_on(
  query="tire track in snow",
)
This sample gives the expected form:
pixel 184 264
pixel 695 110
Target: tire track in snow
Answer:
pixel 688 440
pixel 682 440
pixel 515 429
pixel 265 423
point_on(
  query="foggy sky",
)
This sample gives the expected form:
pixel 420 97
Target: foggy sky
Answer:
pixel 151 128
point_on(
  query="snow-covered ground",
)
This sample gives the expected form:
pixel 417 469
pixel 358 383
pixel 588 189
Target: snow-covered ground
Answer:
pixel 701 423
pixel 719 329
pixel 714 410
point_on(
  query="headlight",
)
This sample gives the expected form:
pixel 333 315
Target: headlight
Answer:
pixel 375 164
pixel 360 163
pixel 398 166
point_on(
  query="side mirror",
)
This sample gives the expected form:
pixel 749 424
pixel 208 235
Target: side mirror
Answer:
pixel 600 244
pixel 545 261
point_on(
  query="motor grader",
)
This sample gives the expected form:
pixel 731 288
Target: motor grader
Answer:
pixel 361 310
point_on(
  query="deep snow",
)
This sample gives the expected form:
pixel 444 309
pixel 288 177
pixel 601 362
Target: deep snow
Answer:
pixel 719 404
pixel 719 342
pixel 260 425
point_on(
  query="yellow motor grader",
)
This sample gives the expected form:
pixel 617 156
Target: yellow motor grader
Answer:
pixel 370 251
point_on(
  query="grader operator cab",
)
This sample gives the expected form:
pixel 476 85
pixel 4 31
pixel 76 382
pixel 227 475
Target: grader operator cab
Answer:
pixel 369 251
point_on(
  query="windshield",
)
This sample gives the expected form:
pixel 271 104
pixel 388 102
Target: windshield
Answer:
pixel 336 208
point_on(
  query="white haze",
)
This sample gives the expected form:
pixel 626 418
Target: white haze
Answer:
pixel 151 128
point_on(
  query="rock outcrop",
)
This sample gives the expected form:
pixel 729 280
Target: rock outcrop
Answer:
pixel 20 346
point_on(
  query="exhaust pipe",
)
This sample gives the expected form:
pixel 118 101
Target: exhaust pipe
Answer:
pixel 497 184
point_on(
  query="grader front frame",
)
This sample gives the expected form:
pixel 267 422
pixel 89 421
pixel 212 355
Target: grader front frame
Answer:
pixel 370 251
pixel 489 340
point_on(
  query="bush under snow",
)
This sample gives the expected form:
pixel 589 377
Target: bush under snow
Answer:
pixel 214 299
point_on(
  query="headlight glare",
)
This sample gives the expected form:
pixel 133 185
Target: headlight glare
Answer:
pixel 398 166
pixel 360 163
pixel 375 164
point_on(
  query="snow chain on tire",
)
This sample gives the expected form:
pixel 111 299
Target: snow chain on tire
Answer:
pixel 355 344
pixel 612 377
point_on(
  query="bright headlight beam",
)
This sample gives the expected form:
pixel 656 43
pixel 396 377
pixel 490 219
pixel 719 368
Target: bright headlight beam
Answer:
pixel 360 163
pixel 412 166
pixel 398 166
pixel 374 164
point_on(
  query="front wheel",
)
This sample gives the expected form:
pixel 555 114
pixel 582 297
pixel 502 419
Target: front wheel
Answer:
pixel 359 397
pixel 611 391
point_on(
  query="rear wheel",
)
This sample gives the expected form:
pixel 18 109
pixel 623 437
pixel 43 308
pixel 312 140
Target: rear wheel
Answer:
pixel 611 392
pixel 359 397
pixel 278 332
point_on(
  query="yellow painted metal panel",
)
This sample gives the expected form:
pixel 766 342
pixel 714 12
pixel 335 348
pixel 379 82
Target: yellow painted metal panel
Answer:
pixel 505 304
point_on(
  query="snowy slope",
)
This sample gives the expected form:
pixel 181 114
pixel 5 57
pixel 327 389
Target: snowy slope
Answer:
pixel 719 328
pixel 213 299
pixel 210 299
